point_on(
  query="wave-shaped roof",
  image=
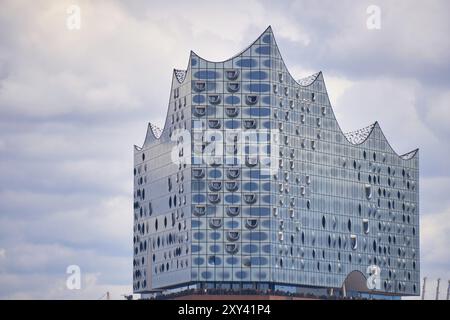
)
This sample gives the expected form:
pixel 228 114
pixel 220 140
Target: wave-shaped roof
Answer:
pixel 354 137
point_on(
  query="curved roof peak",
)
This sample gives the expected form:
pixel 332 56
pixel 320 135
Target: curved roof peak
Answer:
pixel 157 131
pixel 262 42
pixel 153 133
pixel 409 155
pixel 180 75
pixel 263 37
pixel 360 135
pixel 307 81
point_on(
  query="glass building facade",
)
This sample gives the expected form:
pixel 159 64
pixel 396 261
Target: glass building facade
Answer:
pixel 252 184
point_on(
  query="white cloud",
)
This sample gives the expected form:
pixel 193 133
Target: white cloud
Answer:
pixel 437 111
pixel 337 86
pixel 101 222
pixel 389 101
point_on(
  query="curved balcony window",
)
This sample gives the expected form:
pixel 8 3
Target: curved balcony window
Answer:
pixel 324 110
pixel 231 111
pixel 214 197
pixel 199 210
pixel 302 118
pixel 368 191
pixel 233 173
pixel 275 88
pixel 214 123
pixel 353 242
pixel 302 190
pixel 308 179
pixel 233 211
pixel 232 74
pixel 291 212
pixel 250 198
pixel 366 226
pixel 286 90
pixel 231 185
pixel 214 99
pixel 251 99
pixel 291 164
pixel 250 124
pixel 233 236
pixel 200 86
pixel 215 185
pixel 251 223
pixel 251 161
pixel 303 144
pixel 215 223
pixel 199 111
pixel 231 248
pixel 291 104
pixel 215 161
pixel 198 173
pixel 233 87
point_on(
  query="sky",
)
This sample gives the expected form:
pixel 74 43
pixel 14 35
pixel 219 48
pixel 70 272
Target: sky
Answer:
pixel 73 102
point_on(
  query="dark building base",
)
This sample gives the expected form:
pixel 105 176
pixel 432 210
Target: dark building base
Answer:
pixel 201 294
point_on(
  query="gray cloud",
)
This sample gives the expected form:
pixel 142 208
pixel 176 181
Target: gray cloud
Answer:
pixel 72 104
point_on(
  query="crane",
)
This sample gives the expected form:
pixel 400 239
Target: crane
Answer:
pixel 423 288
pixel 437 288
pixel 448 290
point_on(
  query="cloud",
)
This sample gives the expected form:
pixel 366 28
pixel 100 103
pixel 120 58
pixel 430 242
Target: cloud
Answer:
pixel 340 41
pixel 73 103
pixel 435 111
